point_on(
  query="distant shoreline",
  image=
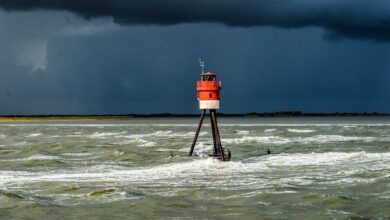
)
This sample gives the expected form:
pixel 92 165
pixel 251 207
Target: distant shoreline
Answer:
pixel 15 118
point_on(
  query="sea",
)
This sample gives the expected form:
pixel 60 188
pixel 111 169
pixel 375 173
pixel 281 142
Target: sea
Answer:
pixel 317 168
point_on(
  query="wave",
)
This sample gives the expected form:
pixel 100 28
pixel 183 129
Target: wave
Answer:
pixel 34 135
pixel 168 134
pixel 138 142
pixel 19 144
pixel 35 157
pixel 350 126
pixel 328 158
pixel 301 130
pixel 278 140
pixel 201 148
pixel 298 170
pixel 101 134
pixel 148 144
pixel 166 150
pixel 76 154
pixel 241 132
pixel 256 139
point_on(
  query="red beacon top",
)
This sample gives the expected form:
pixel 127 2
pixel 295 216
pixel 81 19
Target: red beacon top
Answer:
pixel 208 91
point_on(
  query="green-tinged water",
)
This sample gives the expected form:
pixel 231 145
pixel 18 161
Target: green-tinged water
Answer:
pixel 319 168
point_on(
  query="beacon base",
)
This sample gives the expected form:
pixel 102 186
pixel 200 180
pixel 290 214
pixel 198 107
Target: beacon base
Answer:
pixel 209 104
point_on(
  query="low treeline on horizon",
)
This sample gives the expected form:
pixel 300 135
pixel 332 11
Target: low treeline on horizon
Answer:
pixel 250 114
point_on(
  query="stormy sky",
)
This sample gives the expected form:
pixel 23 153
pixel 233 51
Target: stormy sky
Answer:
pixel 141 56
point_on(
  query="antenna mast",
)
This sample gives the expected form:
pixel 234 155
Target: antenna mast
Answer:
pixel 202 64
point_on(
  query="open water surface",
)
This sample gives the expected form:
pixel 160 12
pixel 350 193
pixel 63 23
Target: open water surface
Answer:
pixel 320 168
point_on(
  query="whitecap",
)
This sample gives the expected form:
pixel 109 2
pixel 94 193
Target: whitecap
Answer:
pixel 278 140
pixel 101 134
pixel 147 144
pixel 328 158
pixel 333 138
pixel 42 157
pixel 257 139
pixel 166 149
pixel 188 134
pixel 35 157
pixel 350 126
pixel 270 130
pixel 77 154
pixel 161 133
pixel 225 175
pixel 200 147
pixel 300 130
pixel 34 135
pixel 241 132
pixel 18 144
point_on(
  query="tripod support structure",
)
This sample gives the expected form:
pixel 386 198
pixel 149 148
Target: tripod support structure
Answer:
pixel 218 152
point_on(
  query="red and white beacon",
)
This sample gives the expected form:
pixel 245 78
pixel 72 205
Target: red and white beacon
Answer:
pixel 208 88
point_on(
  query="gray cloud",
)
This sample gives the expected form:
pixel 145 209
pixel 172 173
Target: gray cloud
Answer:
pixel 356 19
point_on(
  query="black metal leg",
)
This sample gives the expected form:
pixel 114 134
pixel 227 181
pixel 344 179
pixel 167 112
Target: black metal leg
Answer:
pixel 218 139
pixel 214 136
pixel 197 132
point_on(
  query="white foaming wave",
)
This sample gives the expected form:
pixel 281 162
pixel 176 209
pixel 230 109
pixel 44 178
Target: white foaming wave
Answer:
pixel 35 157
pixel 270 130
pixel 188 134
pixel 198 172
pixel 328 158
pixel 142 143
pixel 256 139
pixel 77 154
pixel 138 142
pixel 334 138
pixel 42 157
pixel 185 171
pixel 134 141
pixel 350 126
pixel 166 150
pixel 200 147
pixel 148 144
pixel 34 135
pixel 18 144
pixel 68 199
pixel 241 132
pixel 101 134
pixel 305 140
pixel 300 130
pixel 162 134
pixel 3 136
pixel 154 134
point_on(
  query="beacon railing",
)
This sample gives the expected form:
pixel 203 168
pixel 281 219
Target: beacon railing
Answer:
pixel 207 83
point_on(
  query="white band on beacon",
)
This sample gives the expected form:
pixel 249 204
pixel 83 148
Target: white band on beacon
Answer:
pixel 209 104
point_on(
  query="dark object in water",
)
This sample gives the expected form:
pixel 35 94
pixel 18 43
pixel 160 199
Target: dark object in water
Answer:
pixel 219 151
pixel 268 151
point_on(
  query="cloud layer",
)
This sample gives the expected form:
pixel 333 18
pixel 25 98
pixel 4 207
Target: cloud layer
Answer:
pixel 357 19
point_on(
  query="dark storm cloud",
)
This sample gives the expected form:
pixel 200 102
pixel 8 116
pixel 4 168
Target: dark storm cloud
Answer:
pixel 359 19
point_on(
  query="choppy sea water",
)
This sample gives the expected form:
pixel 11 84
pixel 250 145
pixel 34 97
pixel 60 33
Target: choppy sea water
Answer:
pixel 319 168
